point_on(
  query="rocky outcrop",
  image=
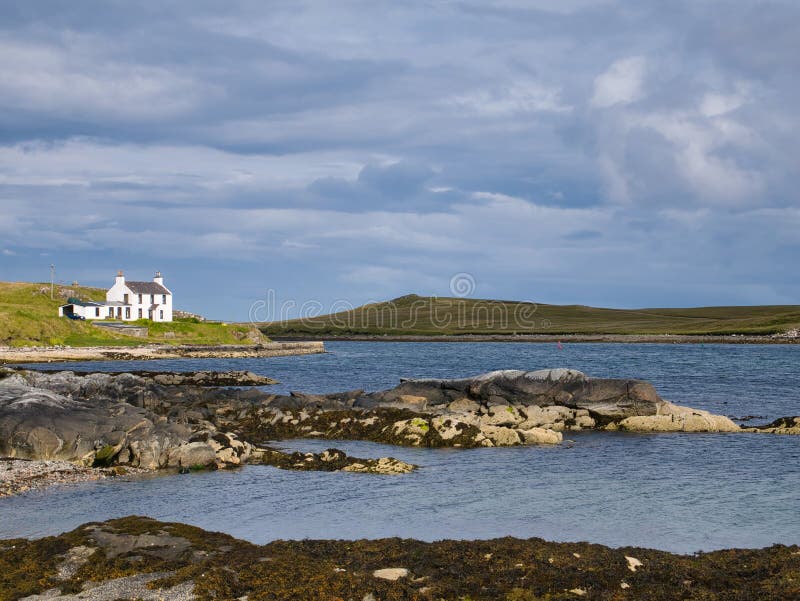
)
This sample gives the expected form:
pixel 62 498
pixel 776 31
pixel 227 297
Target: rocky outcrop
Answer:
pixel 106 419
pixel 331 460
pixel 783 425
pixel 674 418
pixel 500 408
pixel 141 558
pixel 158 420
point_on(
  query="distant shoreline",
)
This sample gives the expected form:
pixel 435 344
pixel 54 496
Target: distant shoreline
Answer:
pixel 545 338
pixel 10 355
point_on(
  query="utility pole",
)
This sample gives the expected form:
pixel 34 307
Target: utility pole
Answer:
pixel 52 280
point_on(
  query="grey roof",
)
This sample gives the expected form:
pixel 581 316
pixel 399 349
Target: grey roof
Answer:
pixel 80 303
pixel 146 288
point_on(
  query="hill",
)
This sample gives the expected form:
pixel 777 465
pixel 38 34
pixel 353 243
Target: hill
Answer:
pixel 28 317
pixel 414 315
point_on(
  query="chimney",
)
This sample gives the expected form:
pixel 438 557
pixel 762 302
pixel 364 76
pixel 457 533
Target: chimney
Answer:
pixel 120 279
pixel 159 279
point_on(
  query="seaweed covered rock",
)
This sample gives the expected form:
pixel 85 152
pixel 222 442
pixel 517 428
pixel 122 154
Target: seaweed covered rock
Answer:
pixel 331 460
pixel 783 425
pixel 141 558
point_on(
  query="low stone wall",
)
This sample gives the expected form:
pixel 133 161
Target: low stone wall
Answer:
pixel 123 328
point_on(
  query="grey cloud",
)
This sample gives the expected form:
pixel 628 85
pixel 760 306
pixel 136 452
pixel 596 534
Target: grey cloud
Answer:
pixel 431 138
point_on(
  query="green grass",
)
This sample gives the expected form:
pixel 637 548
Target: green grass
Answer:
pixel 29 318
pixel 427 316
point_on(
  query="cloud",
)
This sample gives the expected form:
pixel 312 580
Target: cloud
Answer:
pixel 551 151
pixel 518 98
pixel 622 83
pixel 75 79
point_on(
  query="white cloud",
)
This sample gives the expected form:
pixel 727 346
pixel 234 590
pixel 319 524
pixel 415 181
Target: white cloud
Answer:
pixel 518 97
pixel 700 159
pixel 72 80
pixel 8 252
pixel 86 162
pixel 714 104
pixel 622 83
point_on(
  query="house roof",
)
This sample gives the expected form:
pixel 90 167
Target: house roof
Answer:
pixel 146 288
pixel 82 303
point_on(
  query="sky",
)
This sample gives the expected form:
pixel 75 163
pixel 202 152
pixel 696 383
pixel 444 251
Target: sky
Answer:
pixel 633 153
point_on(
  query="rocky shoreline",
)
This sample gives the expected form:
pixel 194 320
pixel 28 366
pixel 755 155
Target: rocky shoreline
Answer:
pixel 208 420
pixel 141 558
pixel 10 355
pixel 21 475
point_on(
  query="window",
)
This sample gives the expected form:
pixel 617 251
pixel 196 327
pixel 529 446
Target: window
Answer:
pixel 163 299
pixel 152 299
pixel 127 312
pixel 140 313
pixel 111 311
pixel 140 299
pixel 161 315
pixel 97 311
pixel 125 299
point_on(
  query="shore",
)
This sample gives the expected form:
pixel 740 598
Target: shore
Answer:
pixel 156 351
pixel 554 338
pixel 141 558
pixel 21 475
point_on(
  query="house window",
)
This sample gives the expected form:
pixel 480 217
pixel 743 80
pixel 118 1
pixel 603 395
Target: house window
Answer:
pixel 111 311
pixel 140 299
pixel 125 299
pixel 140 313
pixel 152 299
pixel 163 299
pixel 97 311
pixel 161 315
pixel 127 312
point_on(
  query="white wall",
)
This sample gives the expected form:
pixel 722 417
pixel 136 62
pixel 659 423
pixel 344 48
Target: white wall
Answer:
pixel 117 294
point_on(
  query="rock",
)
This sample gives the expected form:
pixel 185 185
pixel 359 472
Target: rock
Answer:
pixel 541 436
pixel 610 398
pixel 501 415
pixel 413 430
pixel 501 436
pixel 633 563
pixel 391 573
pixel 384 465
pixel 783 425
pixel 196 454
pixel 679 419
pixel 464 405
pixel 331 460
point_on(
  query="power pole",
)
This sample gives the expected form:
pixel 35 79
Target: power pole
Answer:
pixel 52 280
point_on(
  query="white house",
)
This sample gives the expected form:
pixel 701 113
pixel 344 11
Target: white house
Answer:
pixel 126 301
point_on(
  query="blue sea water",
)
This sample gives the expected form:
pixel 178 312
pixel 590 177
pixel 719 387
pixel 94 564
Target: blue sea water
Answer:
pixel 678 492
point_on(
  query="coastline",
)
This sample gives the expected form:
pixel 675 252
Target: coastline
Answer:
pixel 10 355
pixel 544 338
pixel 138 557
pixel 19 475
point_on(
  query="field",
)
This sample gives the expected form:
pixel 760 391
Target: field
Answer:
pixel 428 316
pixel 28 317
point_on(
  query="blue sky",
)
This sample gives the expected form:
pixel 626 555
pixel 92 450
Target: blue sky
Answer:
pixel 604 152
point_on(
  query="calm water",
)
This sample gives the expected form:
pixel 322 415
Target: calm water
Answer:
pixel 676 492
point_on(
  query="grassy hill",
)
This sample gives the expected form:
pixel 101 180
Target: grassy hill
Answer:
pixel 29 318
pixel 420 316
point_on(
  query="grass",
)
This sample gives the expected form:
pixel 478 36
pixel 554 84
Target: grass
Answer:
pixel 428 316
pixel 28 317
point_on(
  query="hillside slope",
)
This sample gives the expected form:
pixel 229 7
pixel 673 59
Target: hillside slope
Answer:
pixel 420 316
pixel 28 317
